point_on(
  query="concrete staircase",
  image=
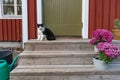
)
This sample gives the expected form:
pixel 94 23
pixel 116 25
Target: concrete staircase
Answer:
pixel 62 59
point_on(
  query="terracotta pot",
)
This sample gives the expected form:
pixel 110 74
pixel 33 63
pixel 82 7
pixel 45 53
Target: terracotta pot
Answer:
pixel 116 33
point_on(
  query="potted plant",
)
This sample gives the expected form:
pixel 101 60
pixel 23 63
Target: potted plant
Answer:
pixel 106 53
pixel 101 35
pixel 116 30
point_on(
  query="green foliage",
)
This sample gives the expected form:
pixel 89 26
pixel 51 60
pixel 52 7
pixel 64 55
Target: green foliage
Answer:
pixel 117 24
pixel 103 57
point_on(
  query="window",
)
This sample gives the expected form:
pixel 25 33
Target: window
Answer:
pixel 11 8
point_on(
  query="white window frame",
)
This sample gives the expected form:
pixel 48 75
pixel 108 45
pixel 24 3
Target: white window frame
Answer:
pixel 15 16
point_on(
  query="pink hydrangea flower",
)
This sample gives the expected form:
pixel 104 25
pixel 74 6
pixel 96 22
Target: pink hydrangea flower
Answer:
pixel 107 51
pixel 101 35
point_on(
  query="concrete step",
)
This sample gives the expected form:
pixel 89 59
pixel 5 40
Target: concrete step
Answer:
pixel 60 45
pixel 63 72
pixel 56 57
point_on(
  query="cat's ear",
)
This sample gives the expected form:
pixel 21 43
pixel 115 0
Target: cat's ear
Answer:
pixel 40 25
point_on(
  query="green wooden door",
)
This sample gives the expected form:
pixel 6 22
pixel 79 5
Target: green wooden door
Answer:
pixel 63 17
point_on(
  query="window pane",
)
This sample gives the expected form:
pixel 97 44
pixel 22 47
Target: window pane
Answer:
pixel 8 1
pixel 8 10
pixel 12 7
pixel 19 1
pixel 19 10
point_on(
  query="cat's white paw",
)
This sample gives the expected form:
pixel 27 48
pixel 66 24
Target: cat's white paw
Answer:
pixel 41 38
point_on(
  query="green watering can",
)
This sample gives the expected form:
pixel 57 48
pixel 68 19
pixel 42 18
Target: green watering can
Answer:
pixel 6 67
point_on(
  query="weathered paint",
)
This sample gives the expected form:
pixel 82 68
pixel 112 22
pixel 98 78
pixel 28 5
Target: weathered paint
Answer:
pixel 102 14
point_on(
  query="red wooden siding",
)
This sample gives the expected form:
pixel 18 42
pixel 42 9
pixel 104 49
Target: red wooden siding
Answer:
pixel 32 19
pixel 102 14
pixel 10 29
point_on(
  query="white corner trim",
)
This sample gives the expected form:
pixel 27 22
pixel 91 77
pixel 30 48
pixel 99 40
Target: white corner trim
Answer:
pixel 39 11
pixel 24 22
pixel 85 17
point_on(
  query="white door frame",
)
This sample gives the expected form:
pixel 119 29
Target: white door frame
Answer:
pixel 85 18
pixel 39 11
pixel 85 15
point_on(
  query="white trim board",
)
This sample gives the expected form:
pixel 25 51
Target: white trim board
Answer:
pixel 39 11
pixel 85 17
pixel 24 22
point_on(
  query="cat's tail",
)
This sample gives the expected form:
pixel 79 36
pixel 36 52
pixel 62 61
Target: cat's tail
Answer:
pixel 50 39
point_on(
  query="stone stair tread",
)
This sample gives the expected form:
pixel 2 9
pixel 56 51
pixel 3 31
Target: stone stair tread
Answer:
pixel 55 66
pixel 62 70
pixel 59 41
pixel 51 69
pixel 66 40
pixel 58 45
pixel 56 53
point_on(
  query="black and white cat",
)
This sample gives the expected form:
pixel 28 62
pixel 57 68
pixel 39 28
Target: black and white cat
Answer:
pixel 45 33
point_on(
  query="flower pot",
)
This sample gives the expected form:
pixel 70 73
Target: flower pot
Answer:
pixel 100 65
pixel 116 33
pixel 95 48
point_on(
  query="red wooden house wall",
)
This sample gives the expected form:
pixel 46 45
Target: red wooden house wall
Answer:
pixel 10 29
pixel 32 19
pixel 102 14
